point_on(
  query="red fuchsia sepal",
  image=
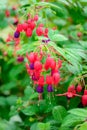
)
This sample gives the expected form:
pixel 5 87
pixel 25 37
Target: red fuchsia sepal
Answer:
pixel 69 95
pixel 38 66
pixel 49 80
pixel 32 57
pixel 56 78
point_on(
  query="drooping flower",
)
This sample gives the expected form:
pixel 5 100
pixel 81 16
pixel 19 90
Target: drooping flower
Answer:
pixel 20 58
pixel 39 89
pixel 16 34
pixel 50 88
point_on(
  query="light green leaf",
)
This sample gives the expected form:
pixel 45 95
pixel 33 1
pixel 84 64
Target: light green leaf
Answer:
pixel 28 92
pixel 72 120
pixel 55 36
pixel 34 127
pixel 59 112
pixel 58 37
pixel 43 126
pixel 79 112
pixel 30 111
pixel 83 126
pixel 35 95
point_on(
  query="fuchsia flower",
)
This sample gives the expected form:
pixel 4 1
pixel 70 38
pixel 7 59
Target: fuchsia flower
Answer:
pixel 70 93
pixel 49 80
pixel 39 89
pixel 16 34
pixel 20 59
pixel 29 25
pixel 56 78
pixel 48 63
pixel 39 31
pixel 25 26
pixel 7 13
pixel 29 32
pixel 32 57
pixel 50 88
pixel 41 81
pixel 38 66
pixel 19 28
pixel 35 69
pixel 84 98
pixel 36 17
pixel 79 88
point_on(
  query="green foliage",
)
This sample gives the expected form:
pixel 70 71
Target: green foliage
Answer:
pixel 20 108
pixel 83 126
pixel 79 112
pixel 59 112
pixel 54 36
pixel 40 126
pixel 72 120
pixel 31 110
pixel 3 4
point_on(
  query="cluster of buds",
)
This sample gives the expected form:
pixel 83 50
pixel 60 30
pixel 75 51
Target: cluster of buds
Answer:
pixel 42 74
pixel 28 27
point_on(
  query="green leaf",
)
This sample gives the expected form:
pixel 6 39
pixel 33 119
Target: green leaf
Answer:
pixel 2 101
pixel 43 126
pixel 3 4
pixel 30 111
pixel 27 48
pixel 34 127
pixel 15 71
pixel 58 37
pixel 8 86
pixel 64 128
pixel 54 36
pixel 72 120
pixel 72 59
pixel 83 126
pixel 59 112
pixel 28 92
pixel 48 4
pixel 79 112
pixel 40 126
pixel 35 95
pixel 11 100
